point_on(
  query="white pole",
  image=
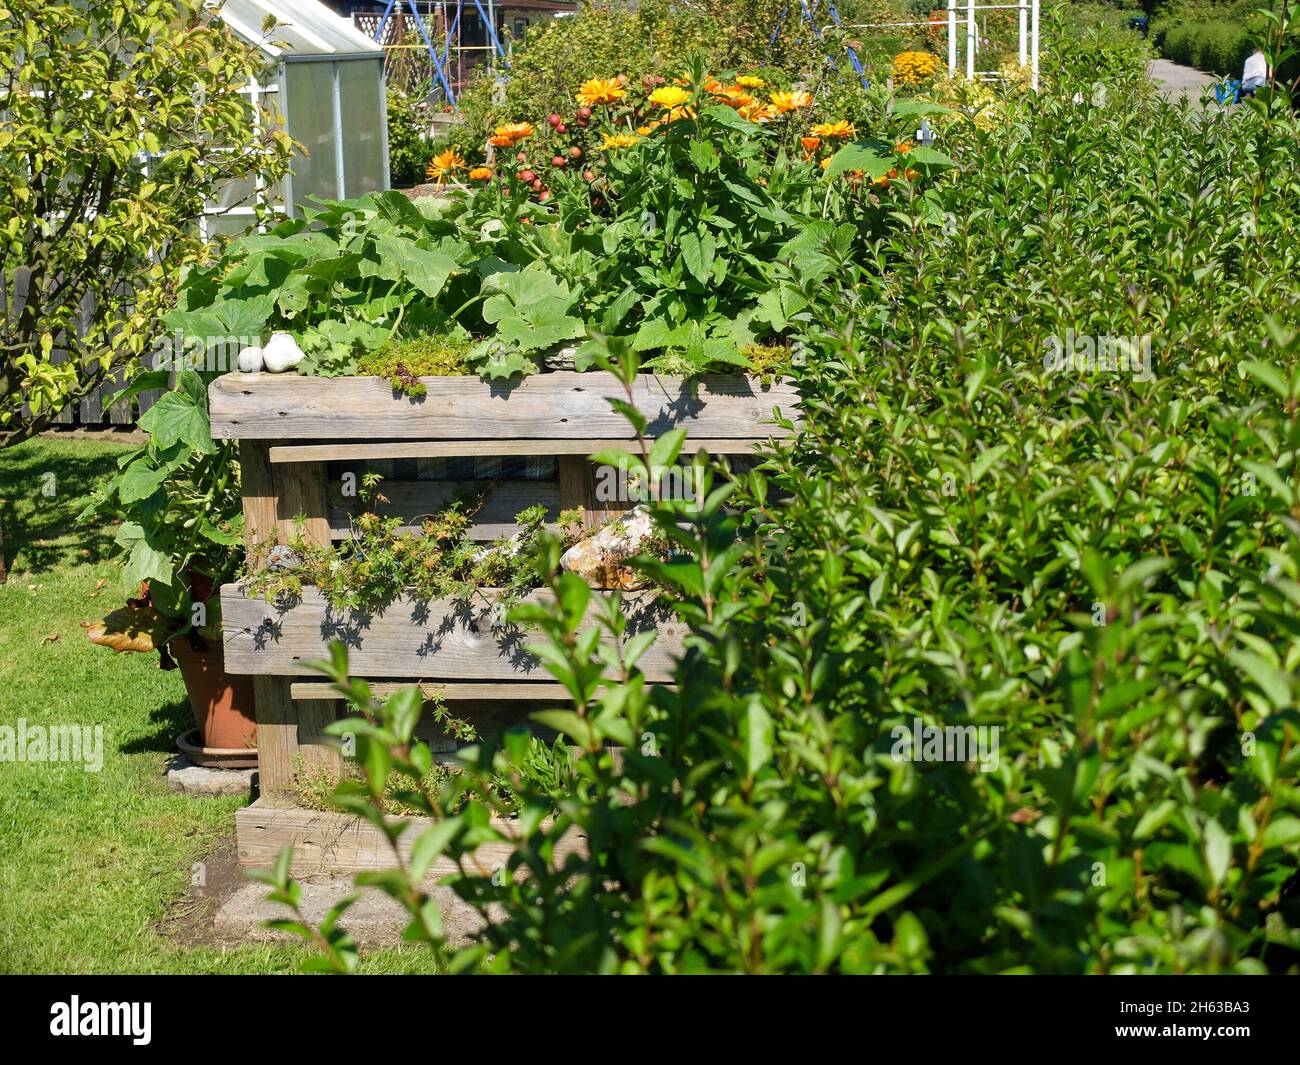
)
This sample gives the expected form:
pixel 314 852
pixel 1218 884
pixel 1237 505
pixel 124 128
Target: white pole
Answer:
pixel 1033 45
pixel 1024 30
pixel 952 38
pixel 970 38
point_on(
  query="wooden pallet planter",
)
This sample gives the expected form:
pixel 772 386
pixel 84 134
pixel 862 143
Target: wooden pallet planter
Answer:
pixel 300 438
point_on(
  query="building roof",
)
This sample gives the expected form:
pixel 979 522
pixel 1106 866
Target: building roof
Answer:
pixel 304 28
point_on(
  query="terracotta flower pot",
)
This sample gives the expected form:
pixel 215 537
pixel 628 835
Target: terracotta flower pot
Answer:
pixel 222 704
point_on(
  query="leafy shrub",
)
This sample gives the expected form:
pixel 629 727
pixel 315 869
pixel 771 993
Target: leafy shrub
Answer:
pixel 1101 565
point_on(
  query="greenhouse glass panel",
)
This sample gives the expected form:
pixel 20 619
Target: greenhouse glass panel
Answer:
pixel 309 103
pixel 365 154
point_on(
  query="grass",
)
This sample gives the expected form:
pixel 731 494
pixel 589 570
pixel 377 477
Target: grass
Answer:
pixel 92 862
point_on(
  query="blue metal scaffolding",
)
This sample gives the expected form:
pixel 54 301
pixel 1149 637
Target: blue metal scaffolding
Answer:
pixel 441 61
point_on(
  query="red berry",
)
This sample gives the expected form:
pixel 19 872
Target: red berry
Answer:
pixel 544 195
pixel 537 184
pixel 521 158
pixel 561 128
pixel 557 160
pixel 575 152
pixel 583 123
pixel 527 177
pixel 587 175
pixel 584 112
pixel 553 119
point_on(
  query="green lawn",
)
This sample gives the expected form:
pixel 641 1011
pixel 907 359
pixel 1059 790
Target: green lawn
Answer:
pixel 91 863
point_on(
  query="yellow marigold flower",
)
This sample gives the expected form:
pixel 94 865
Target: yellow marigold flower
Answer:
pixel 669 97
pixel 791 101
pixel 825 162
pixel 618 140
pixel 480 173
pixel 748 81
pixel 912 68
pixel 596 91
pixel 646 130
pixel 757 112
pixel 444 164
pixel 679 112
pixel 838 128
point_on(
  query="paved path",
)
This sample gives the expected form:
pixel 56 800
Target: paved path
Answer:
pixel 1176 80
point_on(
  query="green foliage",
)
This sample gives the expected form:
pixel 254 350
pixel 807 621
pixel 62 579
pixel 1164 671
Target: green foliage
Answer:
pixel 605 39
pixel 1101 563
pixel 381 561
pixel 177 500
pixel 1218 47
pixel 689 239
pixel 408 141
pixel 118 121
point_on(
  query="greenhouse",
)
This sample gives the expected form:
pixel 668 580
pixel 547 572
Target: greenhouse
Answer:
pixel 325 82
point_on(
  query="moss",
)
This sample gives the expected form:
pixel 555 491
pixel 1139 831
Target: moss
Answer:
pixel 403 362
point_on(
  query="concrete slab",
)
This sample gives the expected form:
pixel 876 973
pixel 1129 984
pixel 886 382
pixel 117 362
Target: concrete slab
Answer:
pixel 185 777
pixel 374 920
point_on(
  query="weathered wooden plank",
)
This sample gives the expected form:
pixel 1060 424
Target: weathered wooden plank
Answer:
pixel 546 406
pixel 440 640
pixel 437 449
pixel 329 842
pixel 412 500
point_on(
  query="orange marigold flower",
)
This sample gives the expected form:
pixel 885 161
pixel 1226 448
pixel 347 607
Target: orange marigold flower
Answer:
pixel 757 112
pixel 444 164
pixel 498 141
pixel 748 81
pixel 596 91
pixel 810 145
pixel 904 146
pixel 791 101
pixel 838 128
pixel 511 133
pixel 480 173
pixel 669 97
pixel 734 96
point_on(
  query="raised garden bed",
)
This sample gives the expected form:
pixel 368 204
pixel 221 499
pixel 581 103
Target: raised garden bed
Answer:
pixel 514 443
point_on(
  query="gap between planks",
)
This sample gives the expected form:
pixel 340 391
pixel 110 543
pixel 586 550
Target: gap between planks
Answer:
pixel 511 690
pixel 439 449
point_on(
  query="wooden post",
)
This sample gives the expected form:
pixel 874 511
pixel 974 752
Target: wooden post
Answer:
pixel 578 484
pixel 277 720
pixel 302 495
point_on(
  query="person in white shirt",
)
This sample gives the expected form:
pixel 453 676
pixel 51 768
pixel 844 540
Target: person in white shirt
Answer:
pixel 1255 73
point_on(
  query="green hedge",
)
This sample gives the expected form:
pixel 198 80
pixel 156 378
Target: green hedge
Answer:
pixel 1219 47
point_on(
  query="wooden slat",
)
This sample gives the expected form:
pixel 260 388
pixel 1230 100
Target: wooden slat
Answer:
pixel 546 406
pixel 438 449
pixel 439 640
pixel 412 500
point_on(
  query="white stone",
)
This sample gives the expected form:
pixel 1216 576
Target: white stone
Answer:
pixel 250 359
pixel 281 353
